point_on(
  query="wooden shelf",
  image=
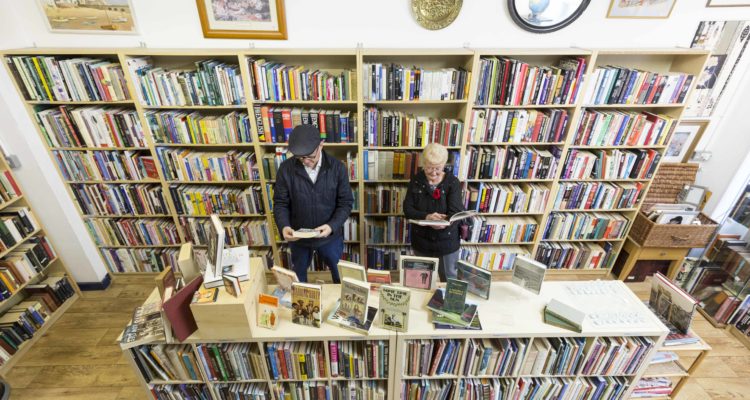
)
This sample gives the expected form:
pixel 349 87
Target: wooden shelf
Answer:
pixel 511 180
pixel 583 240
pixel 222 107
pixel 617 147
pixel 222 215
pixel 604 210
pixel 605 180
pixel 238 182
pixel 124 181
pixel 325 144
pixel 670 369
pixel 496 244
pixel 11 202
pixel 743 338
pixel 205 145
pixel 633 106
pixel 516 144
pixel 90 216
pixel 396 148
pixel 414 102
pixel 154 246
pixel 525 106
pixel 20 242
pixel 99 148
pixel 33 281
pixel 310 102
pixel 80 103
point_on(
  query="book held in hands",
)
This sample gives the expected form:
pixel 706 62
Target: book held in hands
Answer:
pixel 455 217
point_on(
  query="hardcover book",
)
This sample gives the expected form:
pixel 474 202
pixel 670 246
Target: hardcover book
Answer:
pixel 394 307
pixel 284 280
pixel 441 322
pixel 528 274
pixel 306 306
pixel 215 244
pixel 463 319
pixel 378 278
pixel 479 280
pixel 268 311
pixel 353 301
pixel 418 272
pixel 337 318
pixel 672 303
pixel 455 295
pixel 351 270
pixel 232 284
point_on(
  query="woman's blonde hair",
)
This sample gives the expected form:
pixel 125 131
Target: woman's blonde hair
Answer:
pixel 434 153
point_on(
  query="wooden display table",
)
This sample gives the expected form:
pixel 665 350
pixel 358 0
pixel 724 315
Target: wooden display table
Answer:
pixel 637 253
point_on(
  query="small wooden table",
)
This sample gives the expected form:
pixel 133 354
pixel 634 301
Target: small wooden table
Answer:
pixel 637 253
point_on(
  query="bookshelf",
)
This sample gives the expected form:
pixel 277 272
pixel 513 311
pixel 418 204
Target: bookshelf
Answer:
pixel 52 268
pixel 351 98
pixel 678 371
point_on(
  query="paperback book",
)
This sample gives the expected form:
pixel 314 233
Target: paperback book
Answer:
pixel 394 307
pixel 348 269
pixel 440 322
pixel 232 284
pixel 337 318
pixel 672 303
pixel 306 305
pixel 455 296
pixel 528 274
pixel 284 280
pixel 378 278
pixel 478 279
pixel 268 311
pixel 353 301
pixel 436 304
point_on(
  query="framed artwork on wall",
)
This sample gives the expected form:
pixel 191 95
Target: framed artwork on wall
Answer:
pixel 243 19
pixel 728 3
pixel 104 16
pixel 684 139
pixel 544 16
pixel 640 8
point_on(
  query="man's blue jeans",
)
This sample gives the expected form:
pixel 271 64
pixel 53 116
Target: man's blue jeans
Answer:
pixel 330 252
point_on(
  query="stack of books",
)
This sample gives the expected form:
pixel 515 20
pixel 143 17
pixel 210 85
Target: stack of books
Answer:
pixel 652 387
pixel 450 309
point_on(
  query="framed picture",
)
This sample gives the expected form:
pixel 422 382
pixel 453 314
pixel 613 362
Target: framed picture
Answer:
pixel 544 16
pixel 243 19
pixel 676 217
pixel 103 16
pixel 684 139
pixel 418 272
pixel 640 8
pixel 728 3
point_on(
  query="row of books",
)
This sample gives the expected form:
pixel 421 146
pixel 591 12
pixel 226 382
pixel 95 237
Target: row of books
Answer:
pixel 207 200
pixel 211 83
pixel 362 390
pixel 24 264
pixel 9 189
pixel 47 78
pixel 588 226
pixel 105 165
pixel 496 258
pixel 16 223
pixel 432 357
pixel 91 127
pixel 181 392
pixel 481 389
pixel 244 391
pixel 195 166
pixel 196 128
pixel 574 255
pixel 351 229
pixel 603 388
pixel 381 165
pixel 616 355
pixel 296 360
pixel 512 82
pixel 389 230
pixel 231 361
pixel 360 359
pixel 120 199
pixel 140 260
pixel 275 124
pixel 274 81
pixel 302 391
pixel 621 128
pixel 614 164
pixel 350 253
pixel 656 387
pixel 498 198
pixel 597 195
pixel 167 363
pixel 385 258
pixel 621 85
pixel 428 389
pixel 554 356
pixel 496 357
pixel 493 162
pixel 502 229
pixel 396 128
pixel 396 82
pixel 22 321
pixel 518 126
pixel 238 232
pixel 385 199
pixel 133 232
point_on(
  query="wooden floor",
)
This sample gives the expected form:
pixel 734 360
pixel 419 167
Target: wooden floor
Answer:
pixel 78 358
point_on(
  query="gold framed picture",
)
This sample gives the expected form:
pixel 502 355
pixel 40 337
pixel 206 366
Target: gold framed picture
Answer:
pixel 243 19
pixel 640 8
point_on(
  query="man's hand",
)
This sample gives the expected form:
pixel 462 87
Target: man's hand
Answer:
pixel 288 234
pixel 323 230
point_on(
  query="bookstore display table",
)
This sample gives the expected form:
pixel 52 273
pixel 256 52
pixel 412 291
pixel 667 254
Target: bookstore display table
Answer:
pixel 511 315
pixel 636 253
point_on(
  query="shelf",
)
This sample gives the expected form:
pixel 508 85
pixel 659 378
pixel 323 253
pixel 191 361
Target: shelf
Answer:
pixel 388 181
pixel 98 148
pixel 343 379
pixel 670 369
pixel 34 280
pixel 701 345
pixel 595 210
pixel 310 102
pixel 163 382
pixel 495 244
pixel 516 144
pixel 81 103
pixel 217 182
pixel 430 377
pixel 222 107
pixel 205 145
pixel 391 102
pixel 252 246
pixel 301 380
pixel 20 242
pixel 123 181
pixel 607 180
pixel 325 144
pixel 153 246
pixel 582 147
pixel 5 368
pixel 90 216
pixel 583 240
pixel 510 180
pixel 633 106
pixel 525 106
pixel 229 382
pixel 223 215
pixel 388 244
pixel 10 202
pixel 405 147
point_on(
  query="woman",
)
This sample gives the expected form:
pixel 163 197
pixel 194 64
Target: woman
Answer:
pixel 435 195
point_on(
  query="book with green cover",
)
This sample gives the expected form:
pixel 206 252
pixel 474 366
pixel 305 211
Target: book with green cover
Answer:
pixel 455 295
pixel 480 280
pixel 464 318
pixel 440 322
pixel 555 320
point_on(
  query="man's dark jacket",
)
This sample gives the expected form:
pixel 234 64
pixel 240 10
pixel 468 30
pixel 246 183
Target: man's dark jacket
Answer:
pixel 300 203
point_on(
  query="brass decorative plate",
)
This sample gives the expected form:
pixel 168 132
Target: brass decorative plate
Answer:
pixel 436 14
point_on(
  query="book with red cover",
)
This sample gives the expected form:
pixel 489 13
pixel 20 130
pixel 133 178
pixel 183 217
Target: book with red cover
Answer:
pixel 177 310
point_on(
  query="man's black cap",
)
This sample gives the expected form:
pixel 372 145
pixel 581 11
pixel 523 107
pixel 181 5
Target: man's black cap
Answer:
pixel 303 140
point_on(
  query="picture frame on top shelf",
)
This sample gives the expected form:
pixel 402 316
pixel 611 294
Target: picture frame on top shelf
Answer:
pixel 243 19
pixel 640 9
pixel 418 272
pixel 728 3
pixel 683 141
pixel 545 16
pixel 108 17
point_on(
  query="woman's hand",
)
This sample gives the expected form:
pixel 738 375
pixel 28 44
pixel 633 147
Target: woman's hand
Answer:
pixel 436 217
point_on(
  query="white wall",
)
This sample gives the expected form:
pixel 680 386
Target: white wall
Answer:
pixel 336 23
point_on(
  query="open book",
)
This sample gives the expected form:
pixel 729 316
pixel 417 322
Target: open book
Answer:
pixel 456 217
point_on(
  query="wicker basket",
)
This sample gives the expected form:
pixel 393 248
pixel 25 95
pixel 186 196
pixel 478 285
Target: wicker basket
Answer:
pixel 650 234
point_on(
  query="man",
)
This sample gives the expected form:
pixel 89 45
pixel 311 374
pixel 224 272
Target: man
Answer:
pixel 312 191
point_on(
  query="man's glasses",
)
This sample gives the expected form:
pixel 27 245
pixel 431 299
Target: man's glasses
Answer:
pixel 310 157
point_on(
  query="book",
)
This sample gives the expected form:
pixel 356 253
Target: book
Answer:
pixel 232 284
pixel 418 272
pixel 284 280
pixel 205 295
pixel 338 318
pixel 463 318
pixel 353 301
pixel 164 280
pixel 479 280
pixel 306 305
pixel 268 311
pixel 305 233
pixel 215 244
pixel 177 310
pixel 146 326
pixel 440 322
pixel 348 269
pixel 455 295
pixel 455 217
pixel 528 274
pixel 553 319
pixel 378 278
pixel 186 261
pixel 672 303
pixel 394 308
pixel 560 314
